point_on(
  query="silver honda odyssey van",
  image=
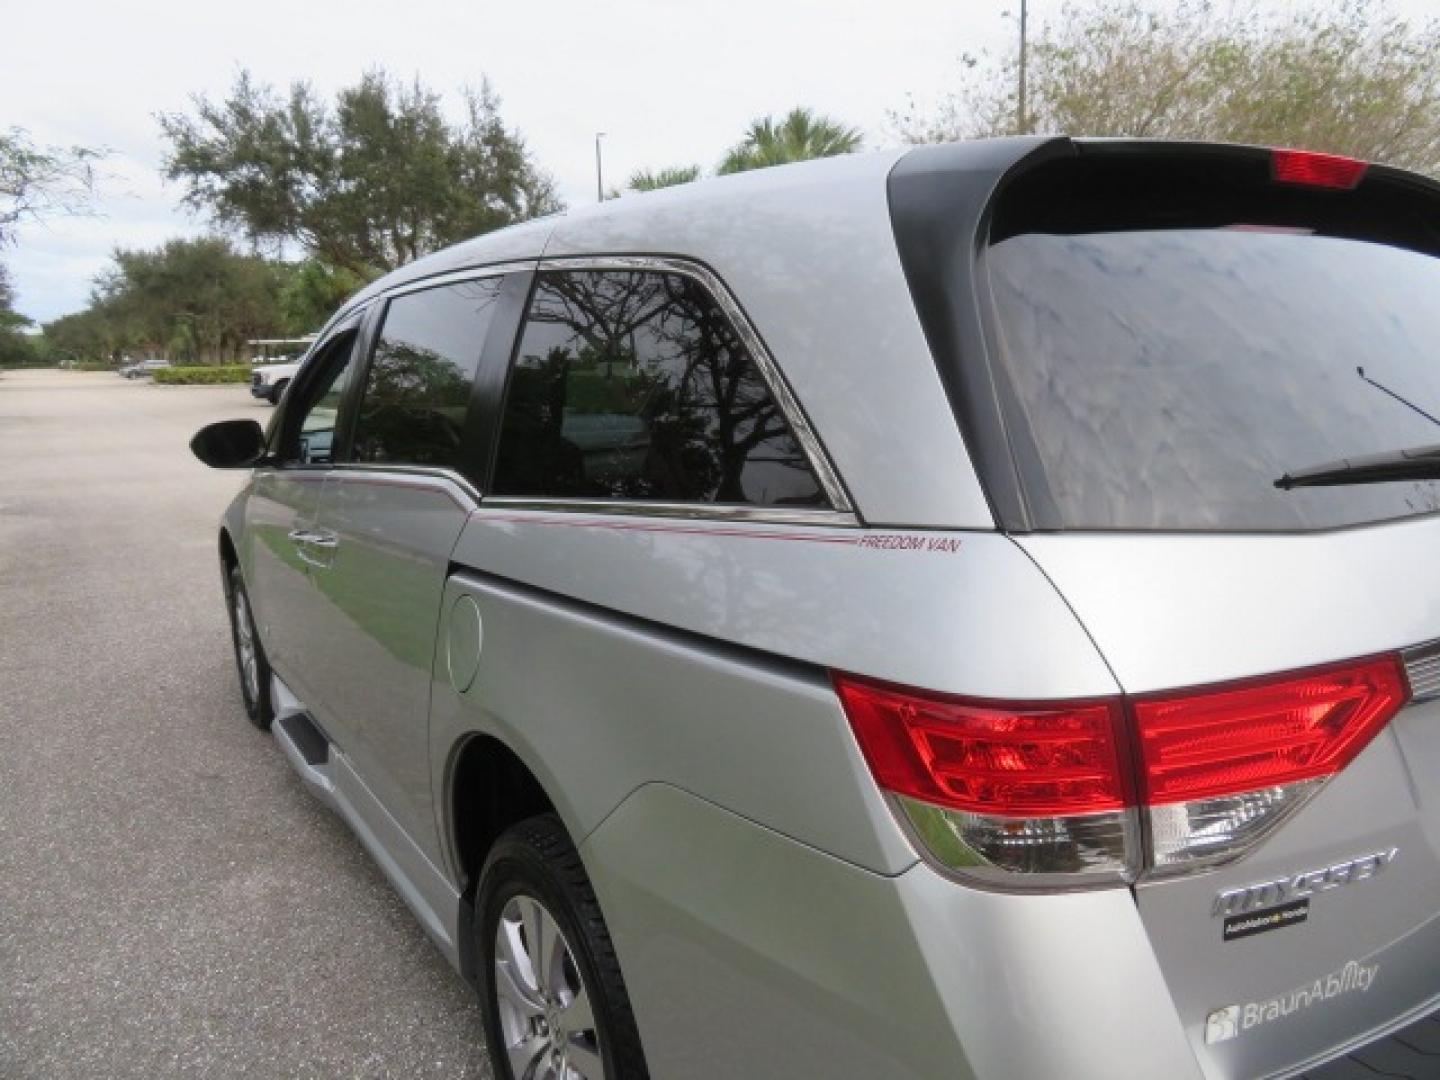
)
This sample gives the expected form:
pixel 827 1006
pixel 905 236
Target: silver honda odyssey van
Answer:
pixel 970 611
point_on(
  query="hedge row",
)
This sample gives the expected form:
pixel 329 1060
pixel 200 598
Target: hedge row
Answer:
pixel 92 365
pixel 233 373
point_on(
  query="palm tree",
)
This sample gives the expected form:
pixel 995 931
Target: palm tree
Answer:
pixel 652 179
pixel 800 136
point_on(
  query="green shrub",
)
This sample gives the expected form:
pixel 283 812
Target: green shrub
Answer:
pixel 190 376
pixel 92 365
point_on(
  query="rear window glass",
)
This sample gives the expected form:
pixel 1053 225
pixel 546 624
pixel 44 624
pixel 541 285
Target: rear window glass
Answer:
pixel 1166 374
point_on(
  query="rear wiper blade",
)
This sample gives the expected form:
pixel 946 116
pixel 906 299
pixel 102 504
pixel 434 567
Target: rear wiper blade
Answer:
pixel 1412 463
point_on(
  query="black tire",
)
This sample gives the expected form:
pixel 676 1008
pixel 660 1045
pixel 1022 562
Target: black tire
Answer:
pixel 536 860
pixel 258 706
pixel 278 391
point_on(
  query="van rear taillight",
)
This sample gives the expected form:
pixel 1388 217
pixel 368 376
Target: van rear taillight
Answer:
pixel 1061 788
pixel 1002 787
pixel 1223 765
pixel 1051 758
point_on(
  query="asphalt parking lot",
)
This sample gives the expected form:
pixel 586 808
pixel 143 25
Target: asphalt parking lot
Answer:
pixel 172 902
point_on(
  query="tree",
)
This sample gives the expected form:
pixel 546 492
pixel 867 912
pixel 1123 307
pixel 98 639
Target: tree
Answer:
pixel 15 345
pixel 372 182
pixel 10 319
pixel 653 180
pixel 191 300
pixel 1350 78
pixel 35 183
pixel 84 335
pixel 38 182
pixel 311 293
pixel 799 136
pixel 195 299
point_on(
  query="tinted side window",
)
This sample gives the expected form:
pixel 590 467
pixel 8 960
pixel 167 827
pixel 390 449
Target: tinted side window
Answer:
pixel 417 391
pixel 634 385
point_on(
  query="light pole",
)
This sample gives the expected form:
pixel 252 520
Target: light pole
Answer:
pixel 1023 123
pixel 599 177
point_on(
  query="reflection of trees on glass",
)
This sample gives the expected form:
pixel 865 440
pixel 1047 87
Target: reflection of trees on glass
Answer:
pixel 636 385
pixel 417 391
pixel 414 409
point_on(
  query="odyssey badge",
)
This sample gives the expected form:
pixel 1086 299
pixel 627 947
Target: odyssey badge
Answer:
pixel 1285 890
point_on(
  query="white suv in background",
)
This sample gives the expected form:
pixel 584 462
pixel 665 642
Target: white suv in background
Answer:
pixel 270 380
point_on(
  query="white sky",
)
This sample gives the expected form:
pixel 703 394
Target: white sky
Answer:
pixel 670 83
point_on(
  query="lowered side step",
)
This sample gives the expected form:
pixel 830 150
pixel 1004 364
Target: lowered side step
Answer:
pixel 308 750
pixel 329 775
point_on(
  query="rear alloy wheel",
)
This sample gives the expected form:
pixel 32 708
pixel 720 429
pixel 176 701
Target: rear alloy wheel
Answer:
pixel 250 662
pixel 554 1002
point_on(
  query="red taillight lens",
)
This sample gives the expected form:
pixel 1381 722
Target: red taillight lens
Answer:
pixel 1317 170
pixel 1048 789
pixel 1264 733
pixel 988 758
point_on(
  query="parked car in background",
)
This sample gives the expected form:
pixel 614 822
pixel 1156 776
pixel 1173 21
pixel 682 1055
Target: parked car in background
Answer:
pixel 962 611
pixel 268 381
pixel 144 368
pixel 275 362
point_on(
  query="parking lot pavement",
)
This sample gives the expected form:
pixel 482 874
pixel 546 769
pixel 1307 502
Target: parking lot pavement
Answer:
pixel 172 902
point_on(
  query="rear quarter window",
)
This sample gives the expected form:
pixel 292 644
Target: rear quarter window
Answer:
pixel 634 385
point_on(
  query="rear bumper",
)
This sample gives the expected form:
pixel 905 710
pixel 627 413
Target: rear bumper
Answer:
pixel 1412 1053
pixel 749 954
pixel 260 391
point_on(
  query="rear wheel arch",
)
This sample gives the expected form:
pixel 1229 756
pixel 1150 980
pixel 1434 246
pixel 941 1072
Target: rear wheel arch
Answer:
pixel 490 790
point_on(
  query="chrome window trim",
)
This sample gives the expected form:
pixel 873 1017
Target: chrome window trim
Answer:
pixel 770 371
pixel 764 515
pixel 465 487
pixel 455 277
pixel 767 515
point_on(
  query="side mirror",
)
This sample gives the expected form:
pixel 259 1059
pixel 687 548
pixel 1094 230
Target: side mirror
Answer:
pixel 230 444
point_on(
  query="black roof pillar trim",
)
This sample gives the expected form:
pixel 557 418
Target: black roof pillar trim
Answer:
pixel 939 208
